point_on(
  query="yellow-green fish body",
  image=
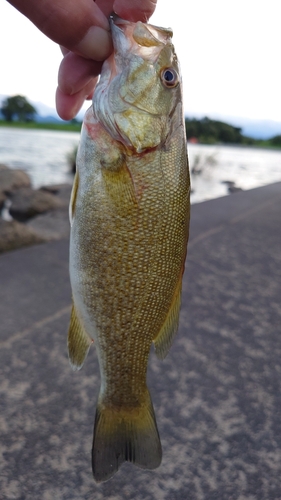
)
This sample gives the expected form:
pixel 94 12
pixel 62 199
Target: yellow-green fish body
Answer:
pixel 130 216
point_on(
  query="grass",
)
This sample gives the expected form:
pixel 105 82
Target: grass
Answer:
pixel 69 127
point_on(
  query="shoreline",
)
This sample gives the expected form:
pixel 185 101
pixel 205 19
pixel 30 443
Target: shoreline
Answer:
pixel 76 127
pixel 61 127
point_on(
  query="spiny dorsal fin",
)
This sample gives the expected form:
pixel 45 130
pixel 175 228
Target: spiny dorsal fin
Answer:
pixel 78 341
pixel 164 339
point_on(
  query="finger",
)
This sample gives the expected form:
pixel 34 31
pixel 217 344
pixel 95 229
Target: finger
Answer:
pixel 135 10
pixel 69 105
pixel 64 50
pixel 96 44
pixel 83 24
pixel 75 73
pixel 106 6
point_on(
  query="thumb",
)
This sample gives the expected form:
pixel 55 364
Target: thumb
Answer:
pixel 79 26
pixel 134 10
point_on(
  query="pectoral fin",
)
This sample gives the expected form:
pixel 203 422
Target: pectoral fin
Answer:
pixel 119 187
pixel 73 198
pixel 164 339
pixel 78 341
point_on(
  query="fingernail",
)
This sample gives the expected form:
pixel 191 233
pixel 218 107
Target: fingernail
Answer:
pixel 100 19
pixel 96 44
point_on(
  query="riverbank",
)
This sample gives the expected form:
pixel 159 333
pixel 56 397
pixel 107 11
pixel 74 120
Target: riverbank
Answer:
pixel 76 127
pixel 64 126
pixel 30 216
pixel 44 155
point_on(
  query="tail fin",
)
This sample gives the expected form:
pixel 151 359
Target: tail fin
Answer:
pixel 124 434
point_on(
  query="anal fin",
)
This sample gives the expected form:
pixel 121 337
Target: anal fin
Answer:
pixel 78 341
pixel 164 339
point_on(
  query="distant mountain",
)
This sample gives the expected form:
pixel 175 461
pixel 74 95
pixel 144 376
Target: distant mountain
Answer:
pixel 45 113
pixel 263 129
pixel 48 114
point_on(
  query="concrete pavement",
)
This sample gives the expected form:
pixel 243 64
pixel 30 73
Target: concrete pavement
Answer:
pixel 217 396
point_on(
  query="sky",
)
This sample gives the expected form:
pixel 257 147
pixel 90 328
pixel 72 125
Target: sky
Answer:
pixel 229 53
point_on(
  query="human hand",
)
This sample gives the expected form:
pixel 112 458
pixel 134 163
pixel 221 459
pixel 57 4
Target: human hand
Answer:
pixel 82 30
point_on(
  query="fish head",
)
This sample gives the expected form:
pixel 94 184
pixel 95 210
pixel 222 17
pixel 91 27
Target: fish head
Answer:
pixel 140 86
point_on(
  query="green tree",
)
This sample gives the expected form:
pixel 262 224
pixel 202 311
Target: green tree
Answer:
pixel 276 140
pixel 18 108
pixel 212 131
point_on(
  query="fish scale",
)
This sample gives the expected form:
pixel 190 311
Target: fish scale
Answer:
pixel 129 216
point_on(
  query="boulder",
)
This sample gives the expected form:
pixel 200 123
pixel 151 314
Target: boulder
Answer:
pixel 2 199
pixel 228 183
pixel 62 191
pixel 52 225
pixel 15 235
pixel 12 179
pixel 234 189
pixel 27 203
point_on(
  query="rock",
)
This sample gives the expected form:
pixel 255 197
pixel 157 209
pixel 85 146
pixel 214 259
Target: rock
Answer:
pixel 15 235
pixel 231 187
pixel 62 191
pixel 228 183
pixel 11 179
pixel 234 189
pixel 54 188
pixel 52 225
pixel 2 199
pixel 27 203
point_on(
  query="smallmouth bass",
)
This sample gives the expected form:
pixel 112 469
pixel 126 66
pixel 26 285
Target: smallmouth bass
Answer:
pixel 129 213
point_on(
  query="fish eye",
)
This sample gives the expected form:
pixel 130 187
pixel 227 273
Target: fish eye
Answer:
pixel 169 77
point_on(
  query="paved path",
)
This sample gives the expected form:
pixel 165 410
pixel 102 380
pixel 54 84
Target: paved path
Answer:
pixel 217 396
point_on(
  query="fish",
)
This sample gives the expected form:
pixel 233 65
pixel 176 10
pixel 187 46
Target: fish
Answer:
pixel 129 213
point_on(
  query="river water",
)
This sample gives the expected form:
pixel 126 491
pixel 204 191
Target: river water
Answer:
pixel 43 155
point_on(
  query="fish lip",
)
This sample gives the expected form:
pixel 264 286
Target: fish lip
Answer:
pixel 117 25
pixel 117 32
pixel 114 20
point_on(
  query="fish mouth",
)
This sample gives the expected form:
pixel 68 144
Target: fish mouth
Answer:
pixel 164 33
pixel 114 19
pixel 126 34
